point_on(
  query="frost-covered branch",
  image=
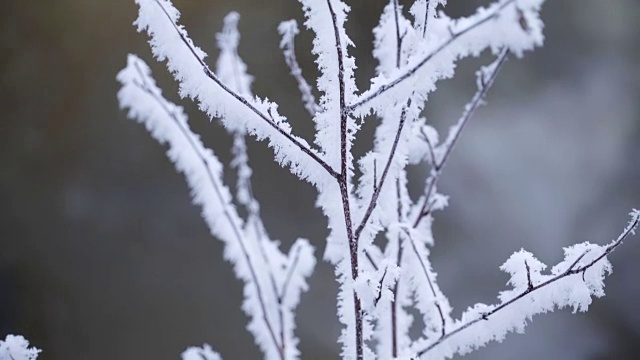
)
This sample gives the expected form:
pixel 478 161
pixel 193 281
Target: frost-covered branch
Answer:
pixel 568 285
pixel 254 256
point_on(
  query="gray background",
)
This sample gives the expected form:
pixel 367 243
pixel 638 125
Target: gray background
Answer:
pixel 102 256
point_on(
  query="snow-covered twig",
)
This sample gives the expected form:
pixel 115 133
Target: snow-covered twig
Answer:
pixel 567 286
pixel 288 30
pixel 439 156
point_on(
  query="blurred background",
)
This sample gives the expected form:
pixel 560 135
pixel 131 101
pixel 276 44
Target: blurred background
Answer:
pixel 102 256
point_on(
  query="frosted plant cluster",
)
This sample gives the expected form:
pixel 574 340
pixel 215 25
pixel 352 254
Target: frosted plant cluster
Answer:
pixel 383 287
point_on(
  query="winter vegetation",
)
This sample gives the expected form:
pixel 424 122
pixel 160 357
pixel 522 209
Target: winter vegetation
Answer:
pixel 361 198
pixel 383 286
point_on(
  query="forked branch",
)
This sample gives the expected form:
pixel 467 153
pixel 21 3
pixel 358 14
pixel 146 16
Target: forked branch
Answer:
pixel 311 153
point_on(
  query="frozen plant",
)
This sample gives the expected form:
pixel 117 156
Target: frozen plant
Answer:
pixel 16 347
pixel 380 287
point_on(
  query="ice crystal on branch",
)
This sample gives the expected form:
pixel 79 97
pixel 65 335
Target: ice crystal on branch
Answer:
pixel 379 285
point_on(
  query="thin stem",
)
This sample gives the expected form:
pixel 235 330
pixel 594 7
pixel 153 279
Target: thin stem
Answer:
pixel 292 267
pixel 283 293
pixel 485 84
pixel 235 227
pixel 381 284
pixel 412 70
pixel 432 154
pixel 310 152
pixel 572 270
pixel 394 304
pixel 426 18
pixel 305 89
pixel 429 281
pixel 343 183
pixel 398 37
pixel 373 202
pixel 373 263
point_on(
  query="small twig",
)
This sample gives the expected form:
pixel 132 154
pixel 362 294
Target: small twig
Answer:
pixel 289 51
pixel 394 304
pixel 384 274
pixel 398 37
pixel 432 154
pixel 373 202
pixel 375 176
pixel 577 261
pixel 426 18
pixel 373 263
pixel 485 83
pixel 429 281
pixel 292 267
pixel 529 282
